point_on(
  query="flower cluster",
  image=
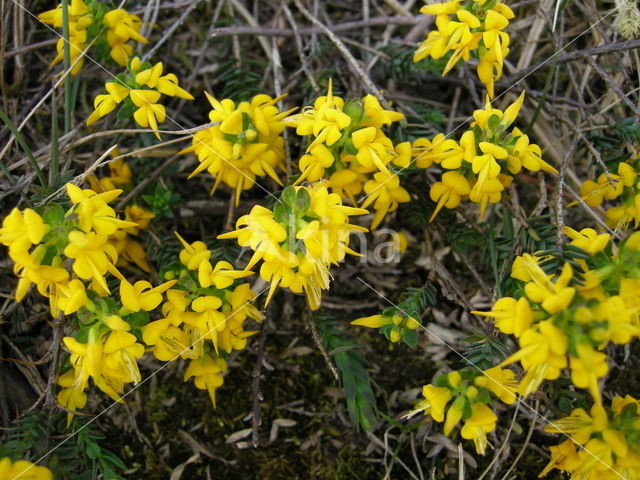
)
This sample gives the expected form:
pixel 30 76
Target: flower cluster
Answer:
pixel 465 395
pixel 138 93
pixel 106 346
pixel 474 27
pixel 91 19
pixel 23 470
pixel 348 147
pixel 68 256
pixel 622 186
pixel 603 444
pixel 130 251
pixel 245 143
pixel 566 318
pixel 297 241
pixel 203 317
pixel 481 164
pixel 42 247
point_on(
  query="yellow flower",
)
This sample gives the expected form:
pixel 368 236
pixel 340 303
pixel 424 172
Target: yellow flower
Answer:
pixel 193 254
pixel 105 104
pixel 53 17
pixel 221 276
pixel 167 84
pixel 385 193
pixel 448 192
pixel 325 120
pixel 437 398
pixel 476 427
pixel 141 295
pixel 209 320
pixel 23 470
pixel 92 256
pixel 72 396
pixel 92 210
pixel 207 374
pixel 374 321
pixel 168 342
pixel 72 297
pixel 121 353
pixel 511 316
pixel 21 230
pixel 261 233
pixel 314 162
pixel 588 239
pixel 123 26
pixel 587 367
pixel 563 457
pixel 138 215
pixel 149 113
pixel 501 382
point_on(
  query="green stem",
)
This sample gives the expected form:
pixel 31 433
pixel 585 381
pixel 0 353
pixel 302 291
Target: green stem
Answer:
pixel 545 91
pixel 67 62
pixel 23 143
pixel 54 167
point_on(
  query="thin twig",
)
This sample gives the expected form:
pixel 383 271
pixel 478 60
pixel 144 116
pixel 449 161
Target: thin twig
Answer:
pixel 171 29
pixel 526 442
pixel 318 342
pixel 255 386
pixel 504 443
pixel 560 238
pixel 53 368
pixel 616 89
pixel 353 63
pixel 570 57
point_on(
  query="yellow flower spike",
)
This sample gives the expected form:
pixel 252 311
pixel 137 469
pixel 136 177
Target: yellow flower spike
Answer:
pixel 23 470
pixel 476 427
pixel 374 321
